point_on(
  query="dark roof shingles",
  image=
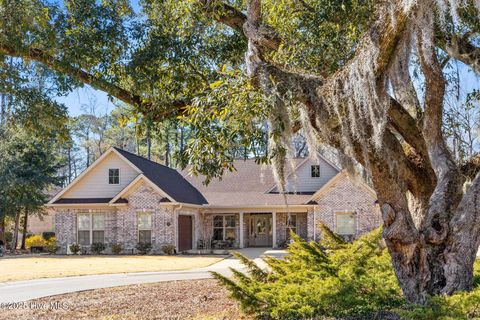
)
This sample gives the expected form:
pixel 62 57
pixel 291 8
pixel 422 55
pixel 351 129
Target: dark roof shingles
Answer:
pixel 167 179
pixel 82 200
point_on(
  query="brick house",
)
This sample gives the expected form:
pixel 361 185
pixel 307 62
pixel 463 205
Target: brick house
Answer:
pixel 126 199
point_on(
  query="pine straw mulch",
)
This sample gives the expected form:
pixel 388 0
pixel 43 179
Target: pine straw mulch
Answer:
pixel 192 299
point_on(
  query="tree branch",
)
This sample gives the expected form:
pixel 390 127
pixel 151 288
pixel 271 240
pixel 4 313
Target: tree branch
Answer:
pixel 464 241
pixel 460 48
pixel 225 14
pixel 448 191
pixel 73 71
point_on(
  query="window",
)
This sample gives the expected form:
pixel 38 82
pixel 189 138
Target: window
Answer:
pixel 224 228
pixel 345 223
pixel 113 176
pixel 84 229
pixel 144 224
pixel 315 171
pixel 91 229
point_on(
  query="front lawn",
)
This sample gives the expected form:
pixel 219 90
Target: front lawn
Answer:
pixel 192 299
pixel 27 268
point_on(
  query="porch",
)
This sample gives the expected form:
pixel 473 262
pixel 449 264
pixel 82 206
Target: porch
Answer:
pixel 225 230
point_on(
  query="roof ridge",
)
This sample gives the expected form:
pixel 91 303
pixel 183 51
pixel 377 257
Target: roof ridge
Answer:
pixel 143 158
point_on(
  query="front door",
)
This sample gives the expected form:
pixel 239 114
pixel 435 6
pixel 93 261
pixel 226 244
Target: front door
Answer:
pixel 260 233
pixel 184 233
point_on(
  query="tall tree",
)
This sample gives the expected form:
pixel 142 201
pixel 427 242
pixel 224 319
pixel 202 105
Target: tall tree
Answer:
pixel 30 166
pixel 340 70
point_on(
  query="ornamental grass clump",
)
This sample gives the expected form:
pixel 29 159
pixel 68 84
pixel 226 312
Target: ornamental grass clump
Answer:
pixel 331 278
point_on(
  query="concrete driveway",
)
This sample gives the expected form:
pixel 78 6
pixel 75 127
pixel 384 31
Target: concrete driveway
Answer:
pixel 32 289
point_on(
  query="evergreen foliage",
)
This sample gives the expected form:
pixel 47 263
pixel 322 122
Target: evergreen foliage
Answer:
pixel 336 279
pixel 329 279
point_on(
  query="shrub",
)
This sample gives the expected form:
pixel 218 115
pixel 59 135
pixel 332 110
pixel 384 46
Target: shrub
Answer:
pixel 98 247
pixel 143 248
pixel 327 279
pixel 51 245
pixel 48 235
pixel 116 248
pixel 75 248
pixel 52 248
pixel 168 249
pixel 461 305
pixel 35 241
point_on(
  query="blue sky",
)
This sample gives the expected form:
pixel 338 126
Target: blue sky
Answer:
pixel 83 98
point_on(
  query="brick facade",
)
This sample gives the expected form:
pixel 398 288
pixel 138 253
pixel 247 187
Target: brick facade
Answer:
pixel 66 226
pixel 343 196
pixel 121 222
pixel 145 199
pixel 282 231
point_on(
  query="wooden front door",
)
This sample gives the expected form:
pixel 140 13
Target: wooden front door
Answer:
pixel 185 233
pixel 260 233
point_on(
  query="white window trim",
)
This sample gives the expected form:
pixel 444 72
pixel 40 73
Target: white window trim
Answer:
pixel 224 225
pixel 119 177
pixel 91 229
pixel 347 212
pixel 319 171
pixel 151 225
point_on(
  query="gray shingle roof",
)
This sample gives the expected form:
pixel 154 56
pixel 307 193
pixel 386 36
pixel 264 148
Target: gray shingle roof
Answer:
pixel 248 185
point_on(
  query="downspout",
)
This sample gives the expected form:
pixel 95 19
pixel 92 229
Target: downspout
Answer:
pixel 314 228
pixel 175 224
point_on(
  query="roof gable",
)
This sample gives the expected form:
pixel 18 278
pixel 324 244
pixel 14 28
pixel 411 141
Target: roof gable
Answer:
pixel 141 179
pixel 93 181
pixel 342 176
pixel 300 180
pixel 93 184
pixel 167 179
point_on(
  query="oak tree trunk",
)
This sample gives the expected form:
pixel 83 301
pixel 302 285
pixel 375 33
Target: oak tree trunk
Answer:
pixel 431 226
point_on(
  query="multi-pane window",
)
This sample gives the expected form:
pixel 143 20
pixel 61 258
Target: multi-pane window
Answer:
pixel 144 224
pixel 91 228
pixel 345 223
pixel 224 228
pixel 84 229
pixel 315 171
pixel 230 228
pixel 113 176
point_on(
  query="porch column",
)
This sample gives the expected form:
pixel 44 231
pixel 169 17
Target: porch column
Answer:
pixel 274 229
pixel 241 230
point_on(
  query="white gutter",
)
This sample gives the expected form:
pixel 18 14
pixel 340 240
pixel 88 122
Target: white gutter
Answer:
pixel 175 224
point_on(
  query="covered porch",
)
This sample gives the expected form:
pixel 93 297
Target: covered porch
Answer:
pixel 225 229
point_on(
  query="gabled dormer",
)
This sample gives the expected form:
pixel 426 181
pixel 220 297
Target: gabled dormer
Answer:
pixel 309 176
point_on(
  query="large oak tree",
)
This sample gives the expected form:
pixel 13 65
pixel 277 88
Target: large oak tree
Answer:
pixel 341 71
